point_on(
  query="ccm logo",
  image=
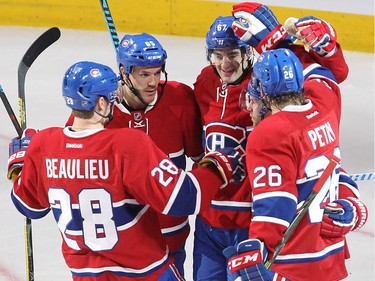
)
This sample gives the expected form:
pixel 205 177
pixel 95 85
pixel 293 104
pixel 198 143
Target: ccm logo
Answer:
pixel 244 260
pixel 274 39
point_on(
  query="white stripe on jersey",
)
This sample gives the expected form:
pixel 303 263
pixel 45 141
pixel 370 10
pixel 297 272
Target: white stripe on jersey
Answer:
pixel 305 256
pixel 121 269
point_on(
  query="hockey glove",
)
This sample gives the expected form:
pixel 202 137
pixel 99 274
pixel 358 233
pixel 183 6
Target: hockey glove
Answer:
pixel 246 261
pixel 318 34
pixel 17 153
pixel 256 25
pixel 228 162
pixel 342 216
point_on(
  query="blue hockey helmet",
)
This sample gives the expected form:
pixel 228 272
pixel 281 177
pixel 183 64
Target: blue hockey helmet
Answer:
pixel 221 36
pixel 279 71
pixel 253 88
pixel 140 50
pixel 85 81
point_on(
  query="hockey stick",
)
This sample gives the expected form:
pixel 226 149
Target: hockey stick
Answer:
pixel 304 208
pixel 110 23
pixel 39 45
pixel 10 112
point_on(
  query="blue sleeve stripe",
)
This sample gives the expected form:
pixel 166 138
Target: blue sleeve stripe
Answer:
pixel 27 211
pixel 310 257
pixel 170 231
pixel 231 206
pixel 275 194
pixel 277 207
pixel 186 197
pixel 317 69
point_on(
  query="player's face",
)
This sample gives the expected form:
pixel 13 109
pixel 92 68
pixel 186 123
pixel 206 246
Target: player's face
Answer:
pixel 146 81
pixel 254 107
pixel 228 63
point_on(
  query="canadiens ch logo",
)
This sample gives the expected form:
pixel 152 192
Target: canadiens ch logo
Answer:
pixel 219 135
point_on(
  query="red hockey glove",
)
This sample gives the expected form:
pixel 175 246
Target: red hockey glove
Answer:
pixel 342 216
pixel 257 26
pixel 17 153
pixel 228 162
pixel 246 261
pixel 318 34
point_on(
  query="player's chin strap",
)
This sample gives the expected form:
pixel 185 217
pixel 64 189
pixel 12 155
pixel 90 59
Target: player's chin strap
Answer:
pixel 109 116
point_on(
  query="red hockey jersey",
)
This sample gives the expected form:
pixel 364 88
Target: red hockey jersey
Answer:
pixel 287 153
pixel 225 124
pixel 172 122
pixel 100 186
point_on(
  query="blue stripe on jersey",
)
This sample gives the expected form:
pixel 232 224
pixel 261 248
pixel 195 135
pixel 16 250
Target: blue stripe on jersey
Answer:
pixel 311 257
pixel 179 159
pixel 275 205
pixel 304 189
pixel 232 206
pixel 25 210
pixel 317 69
pixel 122 215
pixel 121 271
pixel 346 180
pixel 184 198
pixel 176 229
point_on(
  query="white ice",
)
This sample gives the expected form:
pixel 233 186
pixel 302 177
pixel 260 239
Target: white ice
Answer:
pixel 186 57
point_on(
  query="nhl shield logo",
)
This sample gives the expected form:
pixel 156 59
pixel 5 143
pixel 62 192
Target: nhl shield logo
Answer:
pixel 137 116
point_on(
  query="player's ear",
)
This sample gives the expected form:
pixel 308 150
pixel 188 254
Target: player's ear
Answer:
pixel 101 103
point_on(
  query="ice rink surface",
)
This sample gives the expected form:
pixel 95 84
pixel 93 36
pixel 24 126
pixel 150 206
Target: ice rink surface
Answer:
pixel 186 57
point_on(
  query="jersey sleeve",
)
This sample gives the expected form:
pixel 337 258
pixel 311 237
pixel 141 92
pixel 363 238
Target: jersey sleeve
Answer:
pixel 156 180
pixel 275 193
pixel 192 128
pixel 336 63
pixel 26 196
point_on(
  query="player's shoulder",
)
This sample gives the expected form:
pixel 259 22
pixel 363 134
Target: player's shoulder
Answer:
pixel 125 136
pixel 49 132
pixel 177 94
pixel 177 87
pixel 273 127
pixel 206 73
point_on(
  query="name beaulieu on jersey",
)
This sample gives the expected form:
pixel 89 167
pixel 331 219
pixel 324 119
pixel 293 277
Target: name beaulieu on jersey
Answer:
pixel 72 168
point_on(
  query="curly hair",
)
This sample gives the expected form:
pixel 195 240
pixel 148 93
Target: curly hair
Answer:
pixel 284 99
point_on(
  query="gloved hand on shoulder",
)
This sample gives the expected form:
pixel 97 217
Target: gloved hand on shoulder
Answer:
pixel 228 162
pixel 17 153
pixel 342 216
pixel 256 25
pixel 247 260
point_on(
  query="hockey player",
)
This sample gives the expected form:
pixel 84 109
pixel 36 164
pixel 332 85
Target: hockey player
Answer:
pixel 351 213
pixel 101 183
pixel 217 91
pixel 282 174
pixel 165 110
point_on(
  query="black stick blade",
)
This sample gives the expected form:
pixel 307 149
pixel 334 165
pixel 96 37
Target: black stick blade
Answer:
pixel 42 43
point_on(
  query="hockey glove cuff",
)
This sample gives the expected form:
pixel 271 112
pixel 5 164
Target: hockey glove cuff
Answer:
pixel 342 216
pixel 17 153
pixel 247 260
pixel 228 162
pixel 257 26
pixel 318 34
